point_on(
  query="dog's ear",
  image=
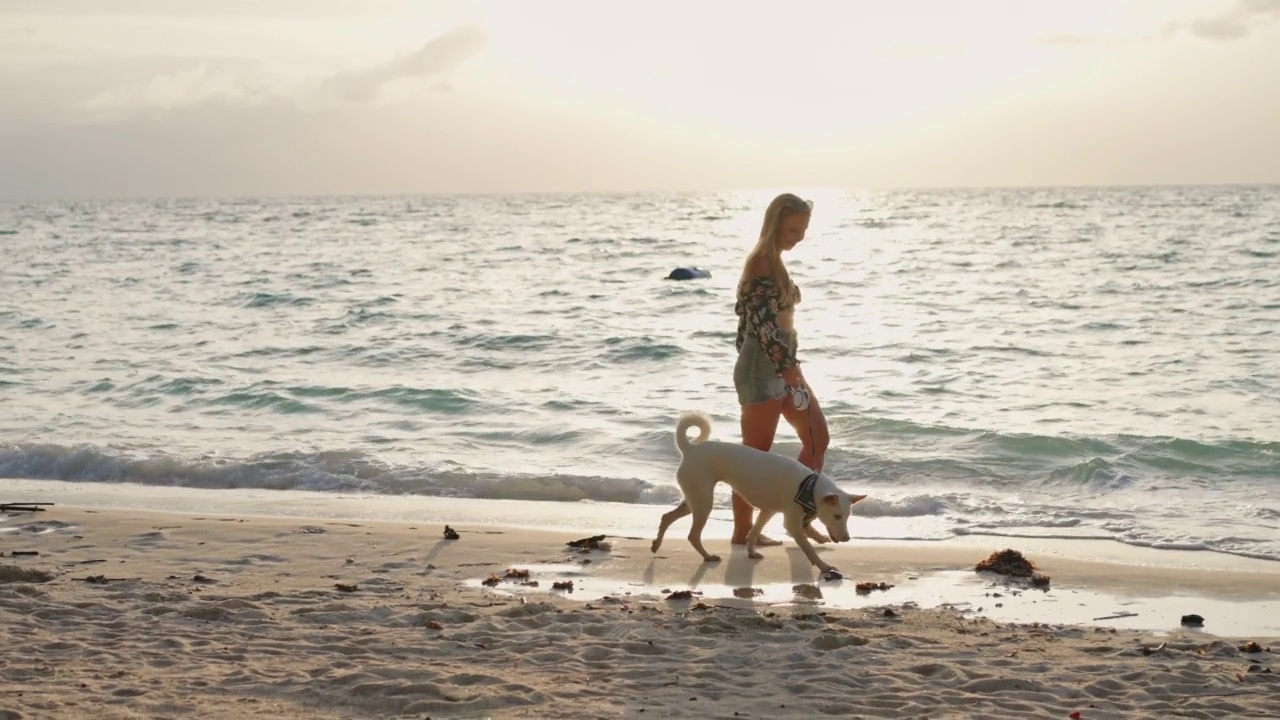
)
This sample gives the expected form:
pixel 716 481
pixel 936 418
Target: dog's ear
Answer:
pixel 854 499
pixel 832 499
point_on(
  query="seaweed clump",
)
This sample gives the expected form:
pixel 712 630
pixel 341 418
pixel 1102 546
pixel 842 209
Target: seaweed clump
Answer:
pixel 1012 563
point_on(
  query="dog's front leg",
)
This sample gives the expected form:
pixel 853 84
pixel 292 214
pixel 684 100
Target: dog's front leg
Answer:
pixel 754 535
pixel 795 526
pixel 816 536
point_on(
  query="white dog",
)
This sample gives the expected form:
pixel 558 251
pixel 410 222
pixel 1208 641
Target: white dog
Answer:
pixel 770 482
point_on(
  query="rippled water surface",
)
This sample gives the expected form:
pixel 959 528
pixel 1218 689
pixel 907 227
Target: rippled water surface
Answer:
pixel 1097 362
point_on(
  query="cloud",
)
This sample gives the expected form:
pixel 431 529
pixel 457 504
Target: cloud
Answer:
pixel 438 56
pixel 1076 40
pixel 920 51
pixel 12 36
pixel 203 84
pixel 1237 22
pixel 1067 40
pixel 163 86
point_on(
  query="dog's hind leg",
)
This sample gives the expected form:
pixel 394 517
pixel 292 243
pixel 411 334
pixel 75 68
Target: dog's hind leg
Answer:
pixel 667 518
pixel 754 534
pixel 700 516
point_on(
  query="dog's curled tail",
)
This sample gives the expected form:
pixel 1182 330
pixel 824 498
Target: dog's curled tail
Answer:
pixel 688 420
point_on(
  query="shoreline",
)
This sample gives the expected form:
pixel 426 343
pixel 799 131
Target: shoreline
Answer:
pixel 565 516
pixel 228 615
pixel 1108 572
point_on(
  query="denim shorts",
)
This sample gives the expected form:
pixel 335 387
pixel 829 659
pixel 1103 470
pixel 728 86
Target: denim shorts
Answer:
pixel 754 376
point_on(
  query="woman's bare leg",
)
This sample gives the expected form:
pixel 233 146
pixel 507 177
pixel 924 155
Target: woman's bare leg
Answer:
pixel 811 427
pixel 759 425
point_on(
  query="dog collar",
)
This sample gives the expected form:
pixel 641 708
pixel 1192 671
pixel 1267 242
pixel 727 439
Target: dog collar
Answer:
pixel 804 498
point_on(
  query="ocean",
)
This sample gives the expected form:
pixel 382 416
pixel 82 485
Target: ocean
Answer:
pixel 1094 362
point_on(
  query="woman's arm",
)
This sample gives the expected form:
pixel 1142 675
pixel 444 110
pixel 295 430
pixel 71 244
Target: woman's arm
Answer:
pixel 761 303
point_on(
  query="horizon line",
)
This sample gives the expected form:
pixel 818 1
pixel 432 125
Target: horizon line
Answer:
pixel 686 191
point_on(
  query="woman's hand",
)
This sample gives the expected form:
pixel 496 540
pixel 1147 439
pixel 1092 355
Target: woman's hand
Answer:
pixel 800 397
pixel 798 393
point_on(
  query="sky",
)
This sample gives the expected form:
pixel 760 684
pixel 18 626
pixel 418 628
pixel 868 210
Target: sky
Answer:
pixel 162 98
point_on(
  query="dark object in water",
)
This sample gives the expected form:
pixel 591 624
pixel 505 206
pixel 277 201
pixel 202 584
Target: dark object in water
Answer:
pixel 562 585
pixel 689 273
pixel 865 588
pixel 1007 562
pixel 512 574
pixel 807 591
pixel 1040 580
pixel 588 543
pixel 1192 620
pixel 450 533
pixel 345 587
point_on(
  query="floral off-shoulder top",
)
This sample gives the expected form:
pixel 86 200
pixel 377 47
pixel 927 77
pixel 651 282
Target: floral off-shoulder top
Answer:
pixel 759 302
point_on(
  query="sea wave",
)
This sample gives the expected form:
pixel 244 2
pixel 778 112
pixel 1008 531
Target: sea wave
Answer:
pixel 332 470
pixel 916 513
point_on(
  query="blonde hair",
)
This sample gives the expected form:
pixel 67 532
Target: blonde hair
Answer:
pixel 782 207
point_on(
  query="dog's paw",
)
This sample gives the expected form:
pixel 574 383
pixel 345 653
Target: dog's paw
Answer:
pixel 820 538
pixel 653 547
pixel 755 555
pixel 711 558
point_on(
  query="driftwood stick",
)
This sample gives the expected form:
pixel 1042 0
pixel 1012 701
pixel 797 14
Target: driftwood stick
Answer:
pixel 23 507
pixel 1117 616
pixel 103 579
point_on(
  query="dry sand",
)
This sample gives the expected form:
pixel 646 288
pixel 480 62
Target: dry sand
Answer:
pixel 210 616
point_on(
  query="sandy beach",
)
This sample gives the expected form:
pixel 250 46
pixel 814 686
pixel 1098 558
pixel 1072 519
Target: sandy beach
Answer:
pixel 145 614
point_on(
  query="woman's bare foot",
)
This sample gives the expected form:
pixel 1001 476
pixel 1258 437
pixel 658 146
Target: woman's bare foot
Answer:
pixel 763 541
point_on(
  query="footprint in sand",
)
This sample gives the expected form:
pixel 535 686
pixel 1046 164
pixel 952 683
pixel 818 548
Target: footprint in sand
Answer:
pixel 474 679
pixel 128 692
pixel 596 653
pixel 44 527
pixel 447 618
pixel 828 642
pixel 210 613
pixel 256 558
pixel 148 538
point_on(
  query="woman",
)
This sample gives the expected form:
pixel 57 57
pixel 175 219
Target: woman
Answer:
pixel 767 375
